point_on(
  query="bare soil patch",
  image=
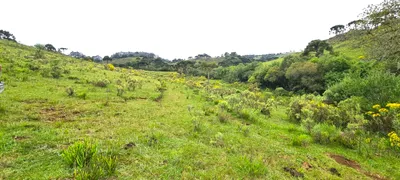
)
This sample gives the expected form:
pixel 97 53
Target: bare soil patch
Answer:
pixel 350 163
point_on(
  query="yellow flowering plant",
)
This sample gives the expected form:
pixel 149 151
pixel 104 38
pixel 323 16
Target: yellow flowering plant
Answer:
pixel 384 118
pixel 110 67
pixel 394 140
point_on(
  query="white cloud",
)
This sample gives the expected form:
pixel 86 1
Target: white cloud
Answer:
pixel 177 28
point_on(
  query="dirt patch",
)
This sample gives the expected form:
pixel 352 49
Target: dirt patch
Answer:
pixel 20 138
pixel 58 114
pixel 350 163
pixel 344 161
pixel 293 172
pixel 35 101
pixel 374 176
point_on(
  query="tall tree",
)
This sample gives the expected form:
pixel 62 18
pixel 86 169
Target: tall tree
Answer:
pixel 383 43
pixel 355 25
pixel 61 50
pixel 183 66
pixel 337 29
pixel 107 58
pixel 208 67
pixel 50 47
pixel 7 35
pixel 318 47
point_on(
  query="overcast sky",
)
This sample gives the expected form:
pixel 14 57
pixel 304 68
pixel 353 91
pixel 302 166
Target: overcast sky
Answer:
pixel 176 28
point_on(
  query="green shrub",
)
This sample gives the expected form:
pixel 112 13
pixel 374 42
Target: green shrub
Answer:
pixel 208 110
pixel 70 91
pixel 34 66
pixel 247 114
pixel 80 153
pixel 311 109
pixel 82 95
pixel 376 87
pixel 56 70
pixel 251 167
pixel 348 139
pixel 223 117
pixel 301 140
pixel 196 125
pixel 101 83
pixel 324 133
pixel 384 119
pixel 88 161
pixel 218 140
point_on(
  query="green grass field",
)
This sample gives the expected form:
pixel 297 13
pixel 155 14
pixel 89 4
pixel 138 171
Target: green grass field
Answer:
pixel 163 129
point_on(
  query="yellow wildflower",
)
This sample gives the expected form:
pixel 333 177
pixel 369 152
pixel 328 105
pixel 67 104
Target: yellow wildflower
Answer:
pixel 376 115
pixel 370 113
pixel 376 106
pixel 110 67
pixel 393 105
pixel 383 110
pixel 394 139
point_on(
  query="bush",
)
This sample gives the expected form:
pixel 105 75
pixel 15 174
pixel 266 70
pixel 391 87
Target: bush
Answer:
pixel 310 109
pixel 251 167
pixel 279 91
pixel 348 139
pixel 384 119
pixel 324 133
pixel 82 95
pixel 394 141
pixel 223 117
pixel 70 91
pixel 101 83
pixel 80 154
pixel 302 140
pixel 376 87
pixel 247 114
pixel 110 67
pixel 88 162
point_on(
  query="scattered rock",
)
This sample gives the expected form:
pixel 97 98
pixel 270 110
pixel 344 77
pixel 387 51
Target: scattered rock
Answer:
pixel 129 145
pixel 306 165
pixel 293 172
pixel 334 171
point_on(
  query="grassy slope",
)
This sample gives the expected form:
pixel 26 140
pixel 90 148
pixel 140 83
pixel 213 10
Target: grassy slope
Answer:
pixel 38 120
pixel 348 44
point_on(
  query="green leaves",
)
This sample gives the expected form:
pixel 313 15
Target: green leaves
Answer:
pixel 88 161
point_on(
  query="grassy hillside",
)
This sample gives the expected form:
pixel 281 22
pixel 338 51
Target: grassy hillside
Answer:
pixel 156 125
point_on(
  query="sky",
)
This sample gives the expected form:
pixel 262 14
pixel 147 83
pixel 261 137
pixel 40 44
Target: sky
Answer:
pixel 176 28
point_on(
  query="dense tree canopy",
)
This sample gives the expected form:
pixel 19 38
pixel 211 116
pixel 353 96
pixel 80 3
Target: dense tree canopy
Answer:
pixel 50 47
pixel 317 46
pixel 383 23
pixel 7 35
pixel 62 49
pixel 337 29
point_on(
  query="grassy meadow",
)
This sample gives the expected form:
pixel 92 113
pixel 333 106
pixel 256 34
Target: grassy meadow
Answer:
pixel 155 125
